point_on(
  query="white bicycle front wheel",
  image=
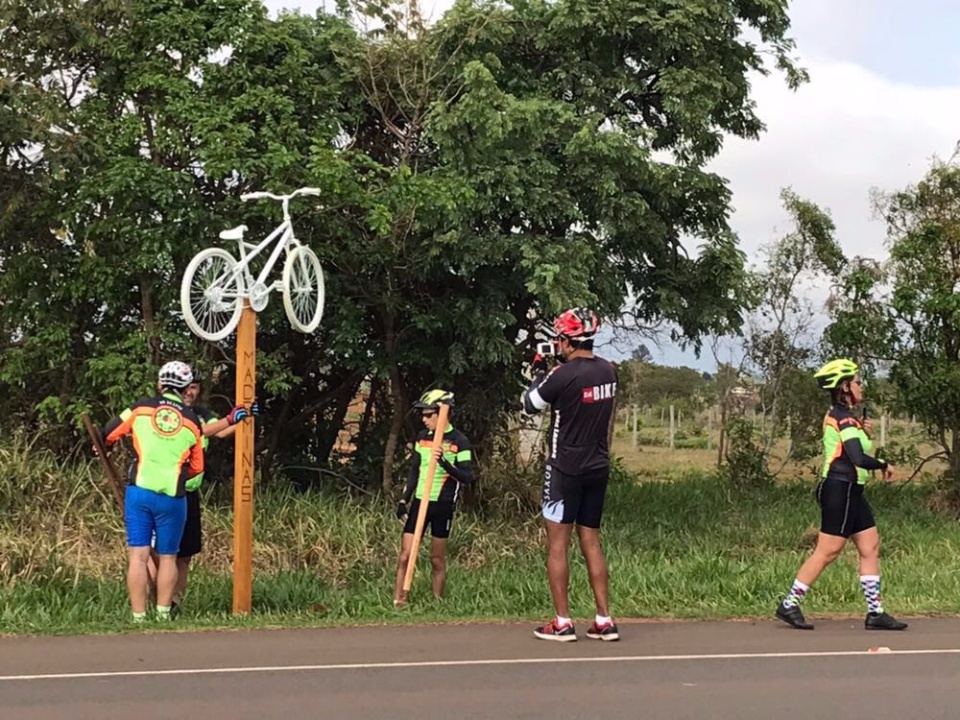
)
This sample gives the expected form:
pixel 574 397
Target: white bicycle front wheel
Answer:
pixel 303 292
pixel 211 294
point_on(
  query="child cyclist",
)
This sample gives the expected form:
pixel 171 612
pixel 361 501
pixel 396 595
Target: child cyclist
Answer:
pixel 454 468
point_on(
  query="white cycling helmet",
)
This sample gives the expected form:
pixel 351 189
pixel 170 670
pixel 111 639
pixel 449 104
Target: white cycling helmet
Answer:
pixel 176 375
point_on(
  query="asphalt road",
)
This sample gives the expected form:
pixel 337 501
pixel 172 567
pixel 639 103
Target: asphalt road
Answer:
pixel 658 670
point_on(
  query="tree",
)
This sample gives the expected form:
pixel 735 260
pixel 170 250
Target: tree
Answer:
pixel 641 353
pixel 905 313
pixel 780 339
pixel 478 175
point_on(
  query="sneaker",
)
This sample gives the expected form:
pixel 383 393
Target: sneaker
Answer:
pixel 883 621
pixel 606 632
pixel 550 631
pixel 793 616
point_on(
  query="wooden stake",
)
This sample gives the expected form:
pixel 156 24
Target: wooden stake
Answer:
pixel 243 464
pixel 425 500
pixel 709 427
pixel 672 427
pixel 117 486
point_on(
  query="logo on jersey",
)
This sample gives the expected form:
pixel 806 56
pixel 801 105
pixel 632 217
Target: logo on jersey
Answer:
pixel 598 393
pixel 167 420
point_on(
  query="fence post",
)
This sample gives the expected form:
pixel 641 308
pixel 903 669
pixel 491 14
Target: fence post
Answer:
pixel 709 427
pixel 672 428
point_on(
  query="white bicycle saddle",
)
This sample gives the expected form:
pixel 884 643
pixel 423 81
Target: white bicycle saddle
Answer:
pixel 233 233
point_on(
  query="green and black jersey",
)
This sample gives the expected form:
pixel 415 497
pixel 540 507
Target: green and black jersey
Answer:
pixel 166 439
pixel 456 466
pixel 846 447
pixel 206 417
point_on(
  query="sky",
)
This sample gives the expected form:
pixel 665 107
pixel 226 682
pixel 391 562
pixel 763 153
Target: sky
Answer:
pixel 883 100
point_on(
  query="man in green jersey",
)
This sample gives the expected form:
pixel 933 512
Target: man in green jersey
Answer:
pixel 166 441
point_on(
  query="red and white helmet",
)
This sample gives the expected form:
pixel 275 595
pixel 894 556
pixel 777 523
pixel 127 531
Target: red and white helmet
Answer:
pixel 578 323
pixel 176 375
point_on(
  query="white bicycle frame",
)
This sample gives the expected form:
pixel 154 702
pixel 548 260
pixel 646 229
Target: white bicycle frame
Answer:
pixel 248 251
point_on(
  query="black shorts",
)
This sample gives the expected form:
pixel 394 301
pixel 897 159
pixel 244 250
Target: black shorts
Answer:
pixel 192 540
pixel 439 519
pixel 574 498
pixel 844 511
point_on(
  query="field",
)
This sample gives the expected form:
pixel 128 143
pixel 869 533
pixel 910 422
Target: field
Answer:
pixel 681 543
pixel 696 441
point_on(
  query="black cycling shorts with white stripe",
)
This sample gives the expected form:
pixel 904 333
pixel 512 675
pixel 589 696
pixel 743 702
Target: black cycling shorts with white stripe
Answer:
pixel 574 498
pixel 844 511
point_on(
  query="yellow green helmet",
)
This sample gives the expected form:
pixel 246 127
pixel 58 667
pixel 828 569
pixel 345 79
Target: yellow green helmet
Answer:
pixel 835 372
pixel 432 399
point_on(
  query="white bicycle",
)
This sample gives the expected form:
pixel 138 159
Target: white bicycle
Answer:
pixel 215 284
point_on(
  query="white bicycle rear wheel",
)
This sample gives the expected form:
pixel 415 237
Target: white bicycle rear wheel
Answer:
pixel 303 292
pixel 211 294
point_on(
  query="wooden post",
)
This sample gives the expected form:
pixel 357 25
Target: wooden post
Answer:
pixel 612 426
pixel 243 464
pixel 117 486
pixel 672 428
pixel 425 500
pixel 883 430
pixel 635 423
pixel 709 427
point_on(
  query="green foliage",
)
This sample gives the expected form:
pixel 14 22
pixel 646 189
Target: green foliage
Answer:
pixel 648 385
pixel 802 407
pixel 779 347
pixel 477 176
pixel 746 458
pixel 906 315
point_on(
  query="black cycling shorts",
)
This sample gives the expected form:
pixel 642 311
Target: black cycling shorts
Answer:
pixel 844 511
pixel 574 498
pixel 192 540
pixel 439 519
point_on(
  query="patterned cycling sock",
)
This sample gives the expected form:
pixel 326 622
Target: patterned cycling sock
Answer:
pixel 796 594
pixel 870 584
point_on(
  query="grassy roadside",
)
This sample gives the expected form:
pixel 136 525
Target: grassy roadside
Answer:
pixel 687 548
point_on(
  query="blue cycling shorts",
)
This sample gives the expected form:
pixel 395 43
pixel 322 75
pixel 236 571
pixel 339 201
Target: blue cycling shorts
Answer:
pixel 148 512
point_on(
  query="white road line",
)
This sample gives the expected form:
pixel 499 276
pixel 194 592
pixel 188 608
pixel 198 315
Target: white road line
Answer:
pixel 463 663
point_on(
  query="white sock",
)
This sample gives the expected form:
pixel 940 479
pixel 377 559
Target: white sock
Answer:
pixel 601 620
pixel 562 621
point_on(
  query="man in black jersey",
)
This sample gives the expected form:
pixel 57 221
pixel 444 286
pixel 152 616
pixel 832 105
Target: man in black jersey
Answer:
pixel 580 389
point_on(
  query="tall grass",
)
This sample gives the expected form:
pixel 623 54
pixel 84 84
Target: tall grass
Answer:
pixel 690 548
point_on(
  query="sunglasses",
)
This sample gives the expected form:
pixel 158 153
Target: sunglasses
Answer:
pixel 428 414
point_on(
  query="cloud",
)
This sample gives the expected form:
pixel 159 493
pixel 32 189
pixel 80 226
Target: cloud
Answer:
pixel 837 137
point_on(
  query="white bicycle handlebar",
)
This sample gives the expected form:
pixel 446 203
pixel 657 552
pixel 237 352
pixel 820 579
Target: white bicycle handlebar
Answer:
pixel 262 195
